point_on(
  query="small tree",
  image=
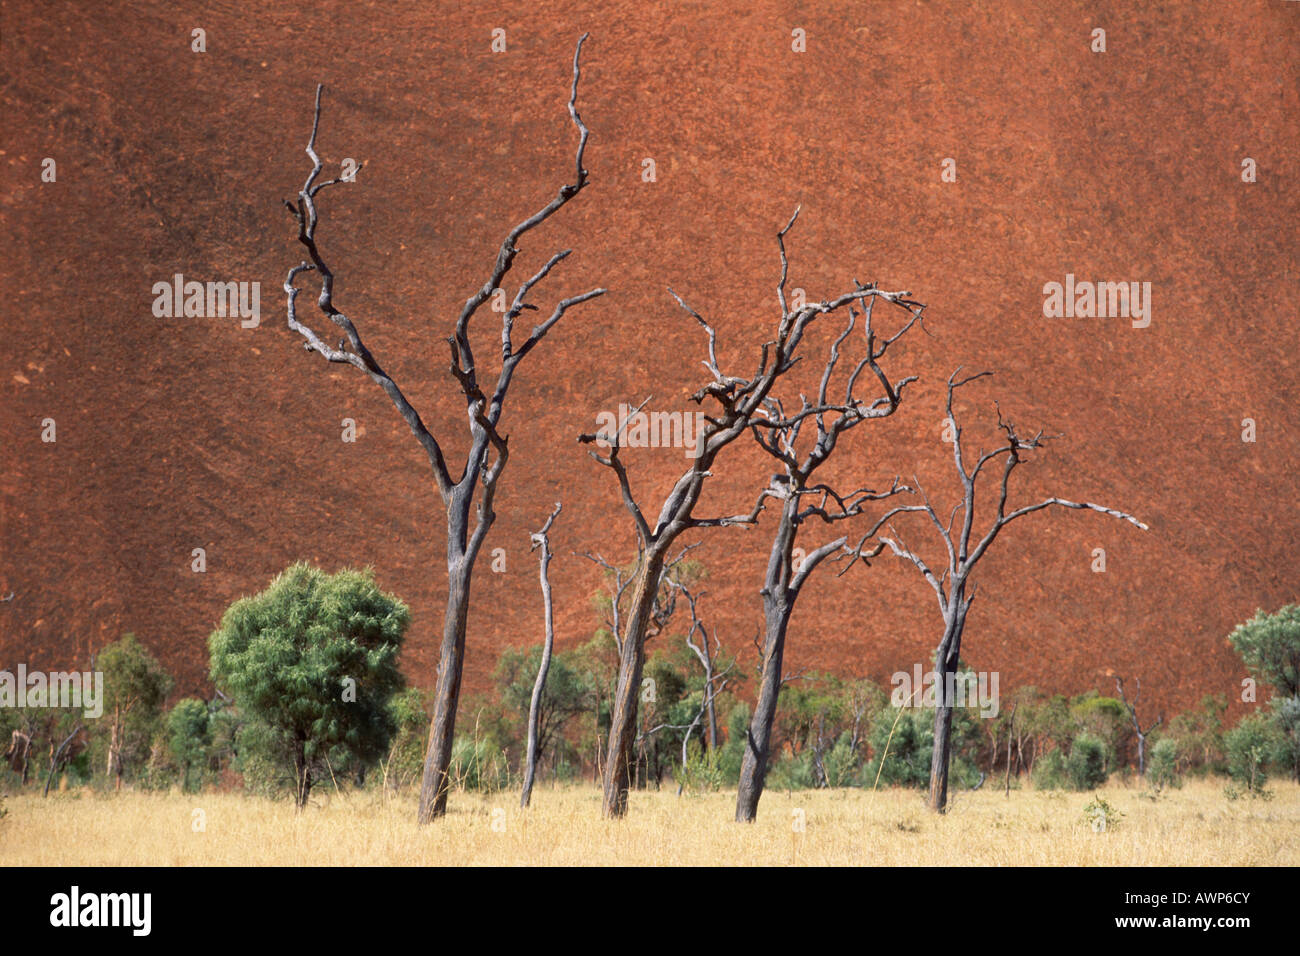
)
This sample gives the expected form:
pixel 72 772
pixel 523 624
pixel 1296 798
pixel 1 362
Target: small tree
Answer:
pixel 1131 707
pixel 1248 747
pixel 311 662
pixel 953 585
pixel 1163 771
pixel 1086 765
pixel 189 737
pixel 135 686
pixel 1270 646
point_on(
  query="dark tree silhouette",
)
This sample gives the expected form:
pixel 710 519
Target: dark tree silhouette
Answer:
pixel 473 488
pixel 739 402
pixel 953 586
pixel 804 499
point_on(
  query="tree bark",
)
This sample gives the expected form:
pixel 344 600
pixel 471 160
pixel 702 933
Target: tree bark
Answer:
pixel 302 776
pixel 619 763
pixel 436 781
pixel 945 665
pixel 758 741
pixel 539 686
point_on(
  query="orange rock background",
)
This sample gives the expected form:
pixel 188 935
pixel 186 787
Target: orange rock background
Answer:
pixel 182 433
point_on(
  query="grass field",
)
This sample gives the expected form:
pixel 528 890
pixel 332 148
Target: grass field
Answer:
pixel 1194 826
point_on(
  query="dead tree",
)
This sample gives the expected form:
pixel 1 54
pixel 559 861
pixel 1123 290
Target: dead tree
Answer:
pixel 20 748
pixel 739 401
pixel 60 756
pixel 473 488
pixel 662 609
pixel 540 540
pixel 804 499
pixel 1137 725
pixel 953 586
pixel 714 681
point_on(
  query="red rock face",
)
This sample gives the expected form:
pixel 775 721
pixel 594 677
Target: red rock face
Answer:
pixel 175 434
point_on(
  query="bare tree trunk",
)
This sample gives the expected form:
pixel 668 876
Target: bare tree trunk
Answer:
pixel 114 768
pixel 622 723
pixel 1137 724
pixel 945 665
pixel 535 705
pixel 302 776
pixel 712 711
pixel 57 758
pixel 1011 726
pixel 758 742
pixel 436 781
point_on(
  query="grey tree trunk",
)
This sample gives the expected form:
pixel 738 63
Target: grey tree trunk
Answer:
pixel 758 742
pixel 302 776
pixel 539 686
pixel 941 756
pixel 436 781
pixel 621 758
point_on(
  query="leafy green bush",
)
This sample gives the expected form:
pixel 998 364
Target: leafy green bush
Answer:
pixel 1049 771
pixel 1085 768
pixel 1249 745
pixel 1269 644
pixel 906 757
pixel 311 663
pixel 1162 767
pixel 189 740
pixel 702 772
pixel 732 752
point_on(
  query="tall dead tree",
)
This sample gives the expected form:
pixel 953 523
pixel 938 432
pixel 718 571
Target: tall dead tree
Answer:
pixel 953 586
pixel 739 401
pixel 467 495
pixel 1137 724
pixel 540 540
pixel 804 499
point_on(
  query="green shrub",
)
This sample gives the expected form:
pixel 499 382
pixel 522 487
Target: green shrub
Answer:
pixel 479 764
pixel 312 660
pixel 702 772
pixel 1248 746
pixel 189 740
pixel 1049 771
pixel 1085 768
pixel 907 755
pixel 1101 816
pixel 1162 766
pixel 732 752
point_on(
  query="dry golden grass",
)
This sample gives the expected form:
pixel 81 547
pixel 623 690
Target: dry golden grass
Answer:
pixel 1194 826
